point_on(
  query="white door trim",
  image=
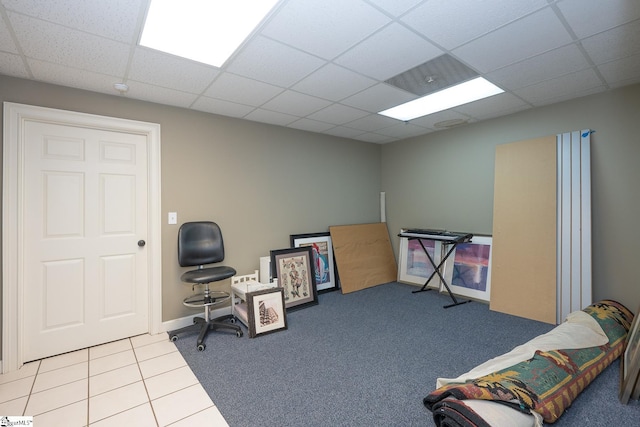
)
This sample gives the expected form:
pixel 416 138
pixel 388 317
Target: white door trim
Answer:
pixel 15 305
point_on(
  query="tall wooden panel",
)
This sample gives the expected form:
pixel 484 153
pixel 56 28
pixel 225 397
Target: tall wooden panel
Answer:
pixel 523 276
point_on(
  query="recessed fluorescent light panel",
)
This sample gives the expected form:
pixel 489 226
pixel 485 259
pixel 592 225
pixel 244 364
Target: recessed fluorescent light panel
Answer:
pixel 207 31
pixel 463 93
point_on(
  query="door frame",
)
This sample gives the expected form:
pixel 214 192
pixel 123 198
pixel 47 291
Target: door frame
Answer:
pixel 15 305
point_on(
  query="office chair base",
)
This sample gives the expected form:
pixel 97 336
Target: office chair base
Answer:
pixel 206 326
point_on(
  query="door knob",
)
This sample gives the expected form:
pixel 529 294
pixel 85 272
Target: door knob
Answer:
pixel 141 243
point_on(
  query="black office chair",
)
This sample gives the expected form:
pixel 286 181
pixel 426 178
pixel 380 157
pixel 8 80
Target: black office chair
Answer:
pixel 200 243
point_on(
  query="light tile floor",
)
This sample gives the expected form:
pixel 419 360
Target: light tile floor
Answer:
pixel 140 381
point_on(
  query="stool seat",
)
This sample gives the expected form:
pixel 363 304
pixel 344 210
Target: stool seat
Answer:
pixel 208 275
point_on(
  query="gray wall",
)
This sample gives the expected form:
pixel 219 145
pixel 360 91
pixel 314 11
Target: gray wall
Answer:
pixel 261 183
pixel 445 179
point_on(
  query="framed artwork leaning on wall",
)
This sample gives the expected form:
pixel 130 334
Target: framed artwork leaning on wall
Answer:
pixel 414 266
pixel 468 268
pixel 295 272
pixel 266 312
pixel 325 267
pixel 630 363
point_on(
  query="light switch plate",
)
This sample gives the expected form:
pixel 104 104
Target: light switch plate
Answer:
pixel 173 217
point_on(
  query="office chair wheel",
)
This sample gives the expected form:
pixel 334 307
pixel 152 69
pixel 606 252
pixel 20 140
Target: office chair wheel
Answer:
pixel 173 338
pixel 239 334
pixel 201 347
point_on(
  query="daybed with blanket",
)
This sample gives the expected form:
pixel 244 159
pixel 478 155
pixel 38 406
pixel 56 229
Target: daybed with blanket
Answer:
pixel 538 380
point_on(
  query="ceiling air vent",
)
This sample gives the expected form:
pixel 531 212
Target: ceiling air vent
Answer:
pixel 432 76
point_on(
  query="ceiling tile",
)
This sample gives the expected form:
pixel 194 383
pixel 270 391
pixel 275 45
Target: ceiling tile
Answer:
pixel 61 45
pixel 569 96
pixel 159 95
pixel 324 28
pixel 430 120
pixel 224 108
pixel 530 36
pixel 402 130
pixel 66 76
pixel 378 98
pixel 567 59
pixel 621 72
pixel 295 103
pixel 114 19
pixel 403 50
pixel 344 132
pixel 395 7
pixel 231 87
pixel 6 40
pixel 372 123
pixel 311 125
pixel 614 44
pixel 160 69
pixel 504 103
pixel 12 65
pixel 274 63
pixel 453 23
pixel 334 83
pixel 588 17
pixel 338 114
pixel 374 138
pixel 560 87
pixel 271 117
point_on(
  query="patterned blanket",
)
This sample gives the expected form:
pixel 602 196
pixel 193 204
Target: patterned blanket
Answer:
pixel 549 381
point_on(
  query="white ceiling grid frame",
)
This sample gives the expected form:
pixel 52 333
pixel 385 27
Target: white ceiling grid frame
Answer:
pixel 530 36
pixel 555 63
pixel 338 114
pixel 395 7
pixel 73 77
pixel 403 49
pixel 324 28
pixel 378 98
pixel 613 44
pixel 112 19
pixel 451 24
pixel 219 106
pixel 621 72
pixel 154 67
pixel 334 83
pixel 290 102
pixel 598 16
pixel 61 45
pixel 272 62
pixel 233 88
pixel 334 51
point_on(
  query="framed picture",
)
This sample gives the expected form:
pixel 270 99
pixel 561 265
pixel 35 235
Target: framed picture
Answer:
pixel 325 267
pixel 265 311
pixel 413 265
pixel 294 270
pixel 630 366
pixel 469 274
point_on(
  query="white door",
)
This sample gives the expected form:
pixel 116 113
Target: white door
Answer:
pixel 85 226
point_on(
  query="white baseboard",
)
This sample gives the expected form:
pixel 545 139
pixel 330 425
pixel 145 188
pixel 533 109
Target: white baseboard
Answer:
pixel 172 325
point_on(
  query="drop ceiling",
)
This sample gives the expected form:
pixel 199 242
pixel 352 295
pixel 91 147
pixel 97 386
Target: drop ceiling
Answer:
pixel 326 66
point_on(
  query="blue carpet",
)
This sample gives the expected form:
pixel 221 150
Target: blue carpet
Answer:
pixel 368 358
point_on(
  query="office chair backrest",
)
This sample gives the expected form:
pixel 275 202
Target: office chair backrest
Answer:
pixel 200 243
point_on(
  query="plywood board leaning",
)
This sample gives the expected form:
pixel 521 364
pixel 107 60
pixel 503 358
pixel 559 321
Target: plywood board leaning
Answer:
pixel 523 281
pixel 364 255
